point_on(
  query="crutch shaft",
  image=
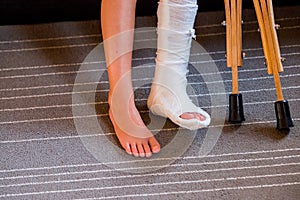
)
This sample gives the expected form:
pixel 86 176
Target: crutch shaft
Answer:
pixel 269 41
pixel 265 16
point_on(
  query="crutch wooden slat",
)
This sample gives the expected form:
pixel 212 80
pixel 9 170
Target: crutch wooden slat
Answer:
pixel 275 38
pixel 234 67
pixel 262 33
pixel 233 32
pixel 266 23
pixel 273 41
pixel 228 33
pixel 235 86
pixel 239 32
pixel 272 53
pixel 278 86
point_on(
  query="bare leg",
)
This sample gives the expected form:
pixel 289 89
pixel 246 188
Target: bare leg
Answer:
pixel 118 17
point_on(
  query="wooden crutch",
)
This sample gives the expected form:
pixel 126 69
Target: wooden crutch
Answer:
pixel 233 14
pixel 265 17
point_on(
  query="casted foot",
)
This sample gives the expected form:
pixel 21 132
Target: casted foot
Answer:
pixel 176 105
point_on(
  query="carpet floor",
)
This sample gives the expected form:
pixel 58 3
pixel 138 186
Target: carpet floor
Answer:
pixel 57 141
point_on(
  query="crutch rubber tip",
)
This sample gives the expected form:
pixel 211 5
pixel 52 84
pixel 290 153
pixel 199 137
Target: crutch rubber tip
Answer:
pixel 283 115
pixel 236 110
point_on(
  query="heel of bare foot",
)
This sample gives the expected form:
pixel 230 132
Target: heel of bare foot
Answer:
pixel 139 141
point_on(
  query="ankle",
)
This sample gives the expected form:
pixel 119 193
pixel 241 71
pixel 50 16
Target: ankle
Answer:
pixel 129 97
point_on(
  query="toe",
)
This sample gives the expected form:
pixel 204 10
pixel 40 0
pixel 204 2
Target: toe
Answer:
pixel 155 147
pixel 187 116
pixel 147 149
pixel 141 151
pixel 127 148
pixel 199 117
pixel 134 150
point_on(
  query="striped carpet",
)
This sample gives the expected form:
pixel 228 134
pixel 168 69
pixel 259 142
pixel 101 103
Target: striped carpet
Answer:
pixel 57 141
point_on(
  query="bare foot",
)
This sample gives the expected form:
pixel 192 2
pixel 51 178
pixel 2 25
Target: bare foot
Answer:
pixel 139 144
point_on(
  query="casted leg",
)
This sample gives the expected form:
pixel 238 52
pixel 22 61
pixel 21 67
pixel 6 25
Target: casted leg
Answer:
pixel 168 96
pixel 117 20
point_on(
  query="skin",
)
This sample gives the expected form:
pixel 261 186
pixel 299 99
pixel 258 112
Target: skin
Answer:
pixel 118 16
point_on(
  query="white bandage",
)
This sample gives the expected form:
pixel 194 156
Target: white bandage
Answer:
pixel 175 31
pixel 168 95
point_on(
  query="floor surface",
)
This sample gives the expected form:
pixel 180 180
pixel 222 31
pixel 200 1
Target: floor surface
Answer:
pixel 58 143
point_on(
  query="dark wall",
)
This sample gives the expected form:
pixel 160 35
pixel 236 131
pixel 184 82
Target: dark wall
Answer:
pixel 37 11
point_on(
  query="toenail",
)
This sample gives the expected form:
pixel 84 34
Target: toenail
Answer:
pixel 148 155
pixel 136 154
pixel 142 155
